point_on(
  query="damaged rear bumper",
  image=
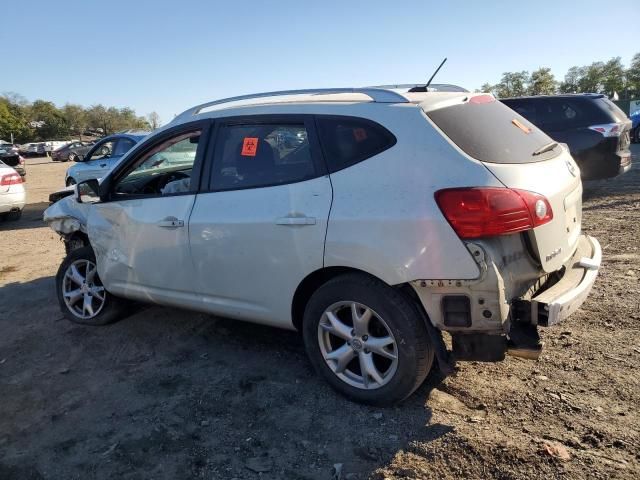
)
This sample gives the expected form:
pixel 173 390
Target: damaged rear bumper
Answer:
pixel 555 303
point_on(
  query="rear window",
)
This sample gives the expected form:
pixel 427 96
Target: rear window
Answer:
pixel 347 141
pixel 491 132
pixel 612 109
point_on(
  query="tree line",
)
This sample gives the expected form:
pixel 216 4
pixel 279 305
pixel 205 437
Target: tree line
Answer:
pixel 609 78
pixel 42 120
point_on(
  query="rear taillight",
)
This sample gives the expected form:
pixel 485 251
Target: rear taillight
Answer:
pixel 20 160
pixel 476 212
pixel 607 129
pixel 10 179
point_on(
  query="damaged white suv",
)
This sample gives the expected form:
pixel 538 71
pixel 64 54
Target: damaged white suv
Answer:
pixel 369 219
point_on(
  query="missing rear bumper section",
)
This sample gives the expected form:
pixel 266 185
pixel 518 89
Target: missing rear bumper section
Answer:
pixel 557 301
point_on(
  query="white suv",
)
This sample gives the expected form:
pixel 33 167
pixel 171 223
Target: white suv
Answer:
pixel 371 220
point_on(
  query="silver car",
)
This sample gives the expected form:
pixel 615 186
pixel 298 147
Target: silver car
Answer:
pixel 394 217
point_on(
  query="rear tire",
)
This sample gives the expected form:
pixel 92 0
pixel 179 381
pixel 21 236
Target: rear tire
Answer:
pixel 14 216
pixel 393 349
pixel 81 295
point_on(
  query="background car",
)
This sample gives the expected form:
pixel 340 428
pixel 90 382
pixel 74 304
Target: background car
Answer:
pixel 32 149
pixel 71 151
pixel 102 157
pixel 595 129
pixel 10 156
pixel 635 126
pixel 12 193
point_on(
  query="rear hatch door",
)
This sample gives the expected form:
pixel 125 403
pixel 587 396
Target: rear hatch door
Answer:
pixel 520 156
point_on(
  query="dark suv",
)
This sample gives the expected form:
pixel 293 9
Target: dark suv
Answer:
pixel 594 128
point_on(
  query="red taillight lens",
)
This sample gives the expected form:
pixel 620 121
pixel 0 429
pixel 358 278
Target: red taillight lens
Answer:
pixel 10 179
pixel 476 212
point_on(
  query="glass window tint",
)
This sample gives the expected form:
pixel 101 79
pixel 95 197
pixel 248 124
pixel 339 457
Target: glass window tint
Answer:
pixel 261 155
pixel 123 146
pixel 102 150
pixel 347 141
pixel 163 170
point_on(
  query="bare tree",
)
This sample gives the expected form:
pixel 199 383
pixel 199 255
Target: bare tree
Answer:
pixel 154 120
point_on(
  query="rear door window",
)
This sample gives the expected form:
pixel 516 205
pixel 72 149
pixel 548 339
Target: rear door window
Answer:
pixel 259 155
pixel 491 132
pixel 347 141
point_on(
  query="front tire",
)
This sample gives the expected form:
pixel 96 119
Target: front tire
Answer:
pixel 70 181
pixel 71 157
pixel 367 340
pixel 81 295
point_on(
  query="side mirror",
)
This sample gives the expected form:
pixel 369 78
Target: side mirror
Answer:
pixel 88 191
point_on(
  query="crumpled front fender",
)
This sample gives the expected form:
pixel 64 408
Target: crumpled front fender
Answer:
pixel 67 216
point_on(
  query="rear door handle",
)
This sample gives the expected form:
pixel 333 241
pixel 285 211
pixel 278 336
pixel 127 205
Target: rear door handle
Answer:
pixel 296 221
pixel 170 222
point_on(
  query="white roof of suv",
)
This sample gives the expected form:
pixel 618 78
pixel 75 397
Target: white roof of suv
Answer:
pixel 325 95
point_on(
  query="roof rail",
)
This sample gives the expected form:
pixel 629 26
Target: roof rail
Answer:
pixel 378 95
pixel 434 87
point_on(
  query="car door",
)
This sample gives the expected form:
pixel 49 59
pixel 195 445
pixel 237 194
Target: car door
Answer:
pixel 139 230
pixel 259 229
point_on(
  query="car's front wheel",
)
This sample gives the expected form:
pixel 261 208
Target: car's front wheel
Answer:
pixel 81 294
pixel 71 157
pixel 367 339
pixel 70 181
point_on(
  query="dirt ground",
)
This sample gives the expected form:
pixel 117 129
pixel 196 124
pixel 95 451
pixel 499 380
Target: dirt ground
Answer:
pixel 174 394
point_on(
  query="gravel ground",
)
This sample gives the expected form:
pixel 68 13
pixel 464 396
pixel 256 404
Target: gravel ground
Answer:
pixel 174 394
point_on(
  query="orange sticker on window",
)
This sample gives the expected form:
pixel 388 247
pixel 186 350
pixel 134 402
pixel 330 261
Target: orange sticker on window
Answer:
pixel 359 134
pixel 249 147
pixel 521 126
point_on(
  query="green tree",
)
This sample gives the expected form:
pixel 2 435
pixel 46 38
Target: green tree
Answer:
pixel 51 123
pixel 542 82
pixel 613 77
pixel 571 79
pixel 13 121
pixel 633 76
pixel 75 118
pixel 512 84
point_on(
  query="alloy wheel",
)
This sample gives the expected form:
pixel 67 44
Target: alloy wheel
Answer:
pixel 83 293
pixel 357 345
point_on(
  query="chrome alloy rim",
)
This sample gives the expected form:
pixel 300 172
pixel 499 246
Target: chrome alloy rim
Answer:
pixel 82 290
pixel 357 345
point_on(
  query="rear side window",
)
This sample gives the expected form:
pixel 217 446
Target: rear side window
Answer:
pixel 612 109
pixel 491 132
pixel 347 141
pixel 259 155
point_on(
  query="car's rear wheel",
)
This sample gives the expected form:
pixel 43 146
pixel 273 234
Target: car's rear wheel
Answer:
pixel 367 339
pixel 71 157
pixel 71 181
pixel 81 294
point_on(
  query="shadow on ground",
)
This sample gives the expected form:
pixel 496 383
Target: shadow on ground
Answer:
pixel 31 218
pixel 174 394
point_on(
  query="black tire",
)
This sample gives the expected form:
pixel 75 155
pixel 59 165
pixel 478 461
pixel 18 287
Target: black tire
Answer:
pixel 71 181
pixel 635 135
pixel 112 309
pixel 14 216
pixel 70 158
pixel 412 346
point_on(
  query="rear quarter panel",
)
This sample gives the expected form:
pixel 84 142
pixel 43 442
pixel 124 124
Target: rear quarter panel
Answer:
pixel 384 218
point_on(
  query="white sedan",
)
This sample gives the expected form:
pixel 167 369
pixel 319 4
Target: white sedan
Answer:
pixel 12 194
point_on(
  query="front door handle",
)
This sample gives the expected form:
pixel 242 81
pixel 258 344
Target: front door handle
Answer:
pixel 170 222
pixel 296 221
pixel 103 165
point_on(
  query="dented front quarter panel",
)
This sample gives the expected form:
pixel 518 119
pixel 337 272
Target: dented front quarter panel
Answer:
pixel 67 216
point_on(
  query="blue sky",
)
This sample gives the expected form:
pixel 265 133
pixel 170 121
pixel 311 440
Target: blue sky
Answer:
pixel 167 56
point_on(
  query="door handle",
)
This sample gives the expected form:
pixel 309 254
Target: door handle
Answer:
pixel 103 165
pixel 296 221
pixel 170 222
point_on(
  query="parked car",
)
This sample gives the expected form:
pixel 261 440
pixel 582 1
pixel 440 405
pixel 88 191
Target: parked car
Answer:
pixel 595 129
pixel 359 236
pixel 71 151
pixel 12 193
pixel 10 156
pixel 53 145
pixel 635 126
pixel 101 158
pixel 32 149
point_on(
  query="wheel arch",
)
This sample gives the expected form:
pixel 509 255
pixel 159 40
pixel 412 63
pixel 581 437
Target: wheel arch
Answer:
pixel 311 283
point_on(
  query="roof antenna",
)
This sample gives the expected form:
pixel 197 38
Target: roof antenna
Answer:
pixel 426 87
